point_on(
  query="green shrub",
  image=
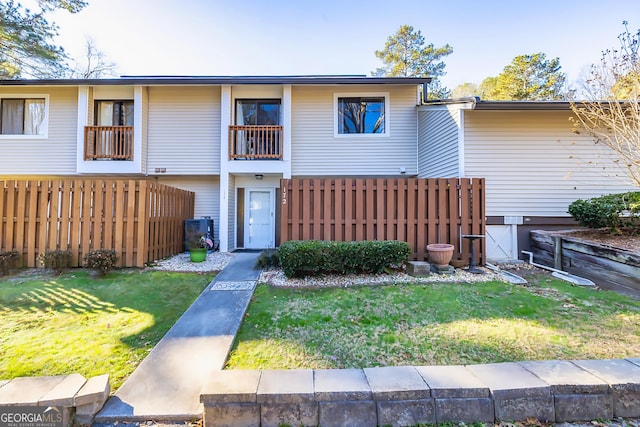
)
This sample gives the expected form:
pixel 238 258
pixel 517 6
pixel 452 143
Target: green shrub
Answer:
pixel 316 257
pixel 8 260
pixel 268 259
pixel 57 260
pixel 612 211
pixel 101 260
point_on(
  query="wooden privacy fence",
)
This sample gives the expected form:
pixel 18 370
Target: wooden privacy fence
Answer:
pixel 141 219
pixel 417 211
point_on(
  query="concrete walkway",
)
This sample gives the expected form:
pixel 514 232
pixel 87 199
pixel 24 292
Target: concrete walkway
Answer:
pixel 167 384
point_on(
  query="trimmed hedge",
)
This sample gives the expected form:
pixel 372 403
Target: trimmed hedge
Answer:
pixel 8 260
pixel 57 259
pixel 101 260
pixel 315 257
pixel 612 211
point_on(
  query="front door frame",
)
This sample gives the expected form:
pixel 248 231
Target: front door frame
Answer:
pixel 247 214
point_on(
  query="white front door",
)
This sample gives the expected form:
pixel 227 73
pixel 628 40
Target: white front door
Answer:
pixel 259 218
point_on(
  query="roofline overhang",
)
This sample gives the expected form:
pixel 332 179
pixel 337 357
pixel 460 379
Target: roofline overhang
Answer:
pixel 221 80
pixel 523 105
pixel 475 103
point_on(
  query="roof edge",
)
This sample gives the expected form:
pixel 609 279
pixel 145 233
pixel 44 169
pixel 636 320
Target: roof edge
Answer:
pixel 220 80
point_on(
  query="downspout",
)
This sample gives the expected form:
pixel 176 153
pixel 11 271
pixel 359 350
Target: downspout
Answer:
pixel 145 95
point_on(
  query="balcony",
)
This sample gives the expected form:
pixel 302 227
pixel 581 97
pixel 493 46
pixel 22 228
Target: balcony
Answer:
pixel 108 142
pixel 255 142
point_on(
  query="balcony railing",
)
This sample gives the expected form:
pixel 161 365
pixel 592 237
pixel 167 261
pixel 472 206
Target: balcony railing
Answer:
pixel 255 142
pixel 108 142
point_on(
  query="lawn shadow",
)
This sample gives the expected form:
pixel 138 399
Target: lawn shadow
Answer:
pixel 79 292
pixel 431 324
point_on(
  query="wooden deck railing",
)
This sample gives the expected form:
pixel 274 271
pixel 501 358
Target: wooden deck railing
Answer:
pixel 108 142
pixel 255 142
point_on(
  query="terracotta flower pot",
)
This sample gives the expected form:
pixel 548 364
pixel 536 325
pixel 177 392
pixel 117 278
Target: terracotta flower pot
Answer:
pixel 440 254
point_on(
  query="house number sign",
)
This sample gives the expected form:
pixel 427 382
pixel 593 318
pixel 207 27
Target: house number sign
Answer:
pixel 284 196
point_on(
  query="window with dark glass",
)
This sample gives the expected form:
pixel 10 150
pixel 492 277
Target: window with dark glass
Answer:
pixel 361 115
pixel 114 113
pixel 22 116
pixel 260 112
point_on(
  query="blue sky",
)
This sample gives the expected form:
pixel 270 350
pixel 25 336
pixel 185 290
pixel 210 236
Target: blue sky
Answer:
pixel 289 37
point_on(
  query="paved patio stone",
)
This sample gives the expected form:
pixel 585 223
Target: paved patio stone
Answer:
pixel 517 393
pixel 565 377
pixel 397 383
pixel 510 380
pixel 624 378
pixel 91 398
pixel 27 390
pixel 578 394
pixel 233 386
pixel 344 398
pixel 246 285
pixel 286 386
pixel 613 371
pixel 62 394
pixel 452 382
pixel 96 389
pixel 341 384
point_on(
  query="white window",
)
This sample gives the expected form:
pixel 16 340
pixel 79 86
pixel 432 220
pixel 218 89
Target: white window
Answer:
pixel 114 113
pixel 23 116
pixel 361 114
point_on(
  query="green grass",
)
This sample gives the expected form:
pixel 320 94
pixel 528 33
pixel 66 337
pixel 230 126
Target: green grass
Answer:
pixel 80 323
pixel 434 324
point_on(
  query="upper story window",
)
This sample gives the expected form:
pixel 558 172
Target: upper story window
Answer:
pixel 258 112
pixel 114 113
pixel 361 114
pixel 23 116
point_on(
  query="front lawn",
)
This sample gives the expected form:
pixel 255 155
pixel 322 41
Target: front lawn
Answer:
pixel 433 324
pixel 80 323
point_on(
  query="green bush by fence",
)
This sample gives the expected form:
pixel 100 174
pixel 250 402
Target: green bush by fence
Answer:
pixel 300 258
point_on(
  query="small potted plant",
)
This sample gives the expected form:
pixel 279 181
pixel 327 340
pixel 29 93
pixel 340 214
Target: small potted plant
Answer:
pixel 196 242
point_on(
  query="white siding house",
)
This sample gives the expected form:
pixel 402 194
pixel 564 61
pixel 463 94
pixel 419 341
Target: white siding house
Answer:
pixel 318 149
pixel 440 147
pixel 53 152
pixel 231 140
pixel 533 164
pixel 228 139
pixel 184 130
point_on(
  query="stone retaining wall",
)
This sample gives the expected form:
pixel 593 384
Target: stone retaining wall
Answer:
pixel 556 391
pixel 79 398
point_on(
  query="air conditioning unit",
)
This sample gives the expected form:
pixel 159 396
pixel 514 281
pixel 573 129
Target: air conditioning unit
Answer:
pixel 202 225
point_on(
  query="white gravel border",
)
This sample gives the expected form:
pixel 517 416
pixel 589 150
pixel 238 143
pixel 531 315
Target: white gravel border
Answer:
pixel 215 261
pixel 276 278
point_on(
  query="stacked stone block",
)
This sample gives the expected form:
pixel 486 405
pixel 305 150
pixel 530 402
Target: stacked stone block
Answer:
pixel 79 399
pixel 554 391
